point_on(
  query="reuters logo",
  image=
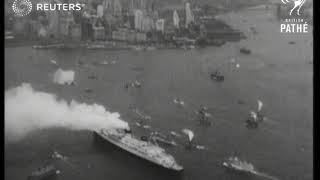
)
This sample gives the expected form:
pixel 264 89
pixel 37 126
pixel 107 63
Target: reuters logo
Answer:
pixel 22 7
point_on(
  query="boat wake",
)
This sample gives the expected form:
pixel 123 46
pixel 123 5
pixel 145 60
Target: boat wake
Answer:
pixel 265 176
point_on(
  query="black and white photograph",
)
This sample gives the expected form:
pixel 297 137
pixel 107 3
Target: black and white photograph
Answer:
pixel 158 89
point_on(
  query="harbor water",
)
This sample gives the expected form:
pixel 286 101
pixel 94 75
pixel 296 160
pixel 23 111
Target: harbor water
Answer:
pixel 276 72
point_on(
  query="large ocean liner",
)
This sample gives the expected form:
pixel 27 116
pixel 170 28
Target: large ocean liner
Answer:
pixel 140 148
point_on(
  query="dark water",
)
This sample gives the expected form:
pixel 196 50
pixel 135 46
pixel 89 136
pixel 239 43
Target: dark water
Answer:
pixel 276 73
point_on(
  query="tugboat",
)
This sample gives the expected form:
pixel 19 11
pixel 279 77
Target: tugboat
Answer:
pixel 234 163
pixel 245 51
pixel 217 76
pixel 243 167
pixel 178 101
pixel 143 149
pixel 255 117
pixel 252 122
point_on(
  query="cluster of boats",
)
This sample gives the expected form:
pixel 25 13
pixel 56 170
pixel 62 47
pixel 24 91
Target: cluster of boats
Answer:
pixel 149 147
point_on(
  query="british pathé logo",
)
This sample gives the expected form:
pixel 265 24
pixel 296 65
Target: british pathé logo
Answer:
pixel 21 7
pixel 297 4
pixel 294 23
pixel 24 7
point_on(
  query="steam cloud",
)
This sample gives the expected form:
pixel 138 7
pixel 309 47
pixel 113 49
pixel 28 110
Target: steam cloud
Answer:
pixel 27 110
pixel 63 77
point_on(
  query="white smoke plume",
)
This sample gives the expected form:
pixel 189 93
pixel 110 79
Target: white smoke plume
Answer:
pixel 260 105
pixel 27 110
pixel 63 77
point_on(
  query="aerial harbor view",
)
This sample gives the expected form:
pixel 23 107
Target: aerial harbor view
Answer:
pixel 159 89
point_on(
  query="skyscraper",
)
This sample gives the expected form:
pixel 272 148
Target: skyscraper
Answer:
pixel 138 17
pixel 107 4
pixel 176 19
pixel 160 25
pixel 117 8
pixel 189 15
pixel 100 10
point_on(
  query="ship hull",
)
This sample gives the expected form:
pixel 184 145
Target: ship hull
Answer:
pixel 107 144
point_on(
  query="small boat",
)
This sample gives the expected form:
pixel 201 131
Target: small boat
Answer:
pixel 136 84
pixel 48 46
pixel 57 155
pixel 200 147
pixel 217 77
pixel 92 77
pixel 39 47
pixel 8 37
pixel 235 163
pixel 245 51
pixel 178 101
pixel 105 63
pixel 175 134
pixel 146 126
pixel 255 118
pixel 143 126
pixel 53 62
pixel 251 124
pixel 163 140
pixel 45 172
pixel 87 90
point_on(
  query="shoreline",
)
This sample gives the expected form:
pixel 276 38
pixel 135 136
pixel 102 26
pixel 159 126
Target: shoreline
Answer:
pixel 114 45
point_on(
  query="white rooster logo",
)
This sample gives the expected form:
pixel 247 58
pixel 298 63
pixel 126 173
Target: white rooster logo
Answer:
pixel 297 4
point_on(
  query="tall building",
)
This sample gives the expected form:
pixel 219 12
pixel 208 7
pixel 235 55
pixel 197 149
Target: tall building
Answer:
pixel 143 4
pixel 100 10
pixel 189 15
pixel 147 24
pixel 138 18
pixel 138 4
pixel 107 4
pixel 113 7
pixel 151 5
pixel 160 25
pixel 53 18
pixel 117 8
pixel 86 27
pixel 176 19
